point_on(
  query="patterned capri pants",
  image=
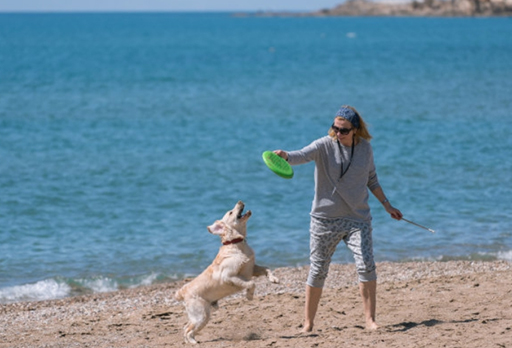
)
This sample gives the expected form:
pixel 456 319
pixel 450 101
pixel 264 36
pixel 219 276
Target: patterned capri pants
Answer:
pixel 326 234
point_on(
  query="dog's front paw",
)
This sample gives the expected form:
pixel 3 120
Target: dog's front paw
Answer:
pixel 273 279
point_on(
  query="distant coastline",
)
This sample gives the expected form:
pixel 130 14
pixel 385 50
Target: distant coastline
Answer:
pixel 414 8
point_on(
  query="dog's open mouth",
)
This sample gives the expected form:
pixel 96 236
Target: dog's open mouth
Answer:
pixel 241 214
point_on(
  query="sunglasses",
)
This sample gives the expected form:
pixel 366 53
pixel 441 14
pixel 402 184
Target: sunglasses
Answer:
pixel 343 131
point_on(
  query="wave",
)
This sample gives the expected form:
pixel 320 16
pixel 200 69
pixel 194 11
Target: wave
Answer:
pixel 477 256
pixel 505 255
pixel 57 288
pixel 48 289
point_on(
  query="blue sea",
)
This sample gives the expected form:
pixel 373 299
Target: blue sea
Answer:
pixel 122 136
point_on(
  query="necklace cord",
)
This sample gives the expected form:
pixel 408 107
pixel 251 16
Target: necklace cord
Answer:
pixel 351 156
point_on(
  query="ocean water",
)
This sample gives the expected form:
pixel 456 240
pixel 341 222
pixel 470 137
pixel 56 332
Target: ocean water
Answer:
pixel 122 136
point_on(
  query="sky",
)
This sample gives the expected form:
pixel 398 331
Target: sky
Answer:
pixel 164 5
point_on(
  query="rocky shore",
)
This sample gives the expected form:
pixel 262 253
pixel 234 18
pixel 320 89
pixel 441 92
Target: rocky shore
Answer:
pixel 419 304
pixel 440 8
pixel 415 8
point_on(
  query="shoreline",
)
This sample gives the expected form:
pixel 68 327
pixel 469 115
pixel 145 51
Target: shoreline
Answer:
pixel 448 303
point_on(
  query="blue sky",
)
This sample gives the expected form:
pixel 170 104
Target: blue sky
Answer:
pixel 164 5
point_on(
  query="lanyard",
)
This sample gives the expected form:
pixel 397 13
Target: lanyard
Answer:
pixel 351 156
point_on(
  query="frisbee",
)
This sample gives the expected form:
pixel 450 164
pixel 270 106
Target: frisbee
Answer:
pixel 277 164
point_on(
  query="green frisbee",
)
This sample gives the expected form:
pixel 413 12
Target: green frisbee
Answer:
pixel 277 164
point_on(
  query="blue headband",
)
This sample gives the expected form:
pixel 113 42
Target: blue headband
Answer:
pixel 349 115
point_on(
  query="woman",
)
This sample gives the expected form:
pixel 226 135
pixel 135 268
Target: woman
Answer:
pixel 344 171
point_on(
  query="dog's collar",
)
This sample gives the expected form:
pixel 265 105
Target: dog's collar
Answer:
pixel 234 241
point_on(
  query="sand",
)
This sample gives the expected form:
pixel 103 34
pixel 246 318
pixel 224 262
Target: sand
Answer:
pixel 420 304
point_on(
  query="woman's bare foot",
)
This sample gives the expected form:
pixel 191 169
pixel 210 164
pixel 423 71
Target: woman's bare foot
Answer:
pixel 306 328
pixel 371 325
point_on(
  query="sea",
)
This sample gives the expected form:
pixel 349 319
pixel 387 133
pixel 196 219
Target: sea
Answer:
pixel 124 135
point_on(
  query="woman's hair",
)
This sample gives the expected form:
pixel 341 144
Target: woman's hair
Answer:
pixel 362 131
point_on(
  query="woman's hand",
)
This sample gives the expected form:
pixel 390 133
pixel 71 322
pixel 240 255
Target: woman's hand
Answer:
pixel 379 194
pixel 282 154
pixel 395 213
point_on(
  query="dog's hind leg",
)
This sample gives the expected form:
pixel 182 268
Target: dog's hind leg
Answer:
pixel 198 311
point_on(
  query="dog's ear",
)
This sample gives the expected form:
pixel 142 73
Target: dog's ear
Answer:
pixel 217 228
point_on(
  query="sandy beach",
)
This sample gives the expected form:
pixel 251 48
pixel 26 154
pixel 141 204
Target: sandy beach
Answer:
pixel 420 304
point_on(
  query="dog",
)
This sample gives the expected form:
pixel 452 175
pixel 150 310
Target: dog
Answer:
pixel 230 272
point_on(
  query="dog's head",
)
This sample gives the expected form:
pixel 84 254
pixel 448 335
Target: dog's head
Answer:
pixel 233 225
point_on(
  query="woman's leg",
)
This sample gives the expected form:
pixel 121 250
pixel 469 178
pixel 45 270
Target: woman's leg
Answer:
pixel 369 295
pixel 360 243
pixel 312 299
pixel 322 244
